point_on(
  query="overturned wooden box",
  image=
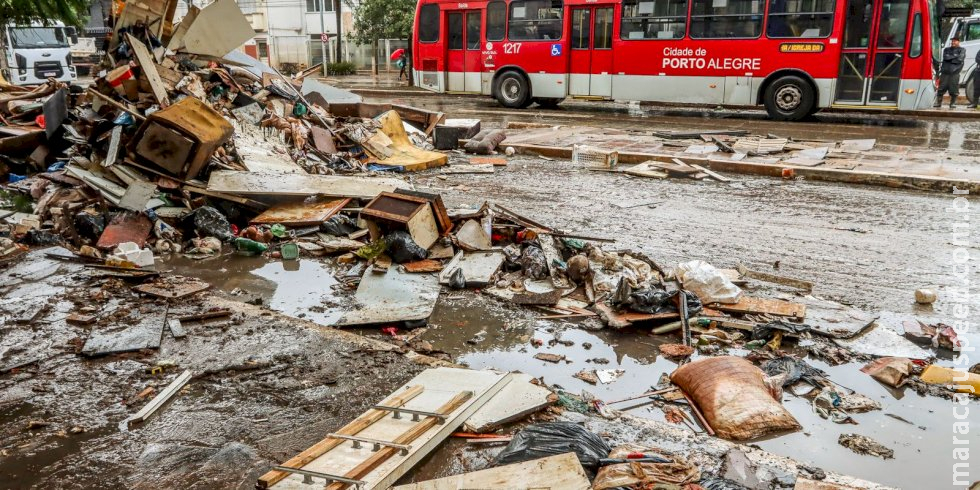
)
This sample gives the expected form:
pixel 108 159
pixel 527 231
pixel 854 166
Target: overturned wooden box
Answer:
pixel 389 212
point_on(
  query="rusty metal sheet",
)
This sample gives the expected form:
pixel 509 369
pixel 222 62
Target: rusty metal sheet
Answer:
pixel 301 214
pixel 323 140
pixel 127 227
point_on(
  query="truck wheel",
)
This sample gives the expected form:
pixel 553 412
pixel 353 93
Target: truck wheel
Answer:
pixel 789 98
pixel 513 90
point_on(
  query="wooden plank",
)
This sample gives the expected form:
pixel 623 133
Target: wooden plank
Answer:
pixel 161 399
pixel 149 68
pixel 351 429
pixel 767 306
pixel 409 436
pixel 333 186
pixel 563 471
pixel 713 175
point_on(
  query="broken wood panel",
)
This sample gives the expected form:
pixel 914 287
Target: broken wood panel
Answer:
pixel 767 306
pixel 392 296
pixel 301 214
pixel 515 401
pixel 440 385
pixel 266 184
pixel 398 399
pixel 127 227
pixel 161 399
pixel 563 471
pixel 204 37
pixel 145 60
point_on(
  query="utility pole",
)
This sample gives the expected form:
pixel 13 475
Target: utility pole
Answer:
pixel 323 37
pixel 340 49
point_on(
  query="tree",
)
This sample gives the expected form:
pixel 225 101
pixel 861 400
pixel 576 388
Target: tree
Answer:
pixel 382 19
pixel 71 12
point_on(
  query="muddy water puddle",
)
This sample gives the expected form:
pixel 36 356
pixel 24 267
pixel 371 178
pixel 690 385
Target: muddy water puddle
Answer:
pixel 484 333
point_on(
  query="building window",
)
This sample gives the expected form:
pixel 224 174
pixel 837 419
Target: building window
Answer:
pixel 535 20
pixel 263 49
pixel 497 20
pixel 314 5
pixel 653 19
pixel 726 19
pixel 429 23
pixel 247 6
pixel 800 18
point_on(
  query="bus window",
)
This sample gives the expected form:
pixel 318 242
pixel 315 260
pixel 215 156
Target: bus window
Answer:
pixel 717 19
pixel 496 20
pixel 473 30
pixel 653 19
pixel 455 28
pixel 800 18
pixel 892 23
pixel 915 50
pixel 857 23
pixel 429 23
pixel 580 28
pixel 534 20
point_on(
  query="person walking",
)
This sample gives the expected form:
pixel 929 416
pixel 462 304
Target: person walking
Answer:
pixel 976 82
pixel 949 73
pixel 402 63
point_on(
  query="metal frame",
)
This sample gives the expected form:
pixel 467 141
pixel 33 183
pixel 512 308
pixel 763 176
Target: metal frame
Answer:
pixel 402 448
pixel 309 475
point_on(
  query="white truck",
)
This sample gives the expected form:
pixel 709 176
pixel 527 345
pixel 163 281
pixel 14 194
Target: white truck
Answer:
pixel 967 29
pixel 33 53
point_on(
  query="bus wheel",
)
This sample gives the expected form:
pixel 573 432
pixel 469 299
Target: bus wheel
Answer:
pixel 789 98
pixel 548 102
pixel 513 90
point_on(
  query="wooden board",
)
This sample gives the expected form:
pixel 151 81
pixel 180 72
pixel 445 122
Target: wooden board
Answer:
pixel 149 68
pixel 561 472
pixel 439 386
pixel 517 400
pixel 301 213
pixel 265 184
pixel 768 306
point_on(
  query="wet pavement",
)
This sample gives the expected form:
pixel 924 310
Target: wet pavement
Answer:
pixel 950 135
pixel 865 247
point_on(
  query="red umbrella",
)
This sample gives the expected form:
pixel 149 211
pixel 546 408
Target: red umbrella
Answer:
pixel 397 53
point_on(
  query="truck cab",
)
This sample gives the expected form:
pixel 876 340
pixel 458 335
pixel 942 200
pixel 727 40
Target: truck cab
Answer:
pixel 33 53
pixel 967 29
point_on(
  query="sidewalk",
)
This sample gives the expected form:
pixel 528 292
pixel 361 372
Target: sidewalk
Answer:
pixel 848 161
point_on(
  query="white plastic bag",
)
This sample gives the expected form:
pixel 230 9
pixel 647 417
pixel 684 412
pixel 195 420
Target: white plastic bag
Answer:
pixel 708 283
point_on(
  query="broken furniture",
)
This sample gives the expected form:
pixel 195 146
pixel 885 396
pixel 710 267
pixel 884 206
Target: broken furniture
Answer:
pixel 392 212
pixel 181 138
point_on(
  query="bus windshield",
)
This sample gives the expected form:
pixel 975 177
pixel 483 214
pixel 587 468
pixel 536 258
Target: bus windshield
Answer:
pixel 38 37
pixel 937 43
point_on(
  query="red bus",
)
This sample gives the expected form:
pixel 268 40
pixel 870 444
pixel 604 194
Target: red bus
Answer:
pixel 793 56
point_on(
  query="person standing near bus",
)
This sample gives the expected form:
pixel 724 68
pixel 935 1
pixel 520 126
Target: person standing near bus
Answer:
pixel 976 82
pixel 949 73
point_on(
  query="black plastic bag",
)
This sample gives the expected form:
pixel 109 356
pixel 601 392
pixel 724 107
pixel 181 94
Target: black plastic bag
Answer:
pixel 209 221
pixel 765 332
pixel 402 248
pixel 553 438
pixel 89 225
pixel 456 279
pixel 718 483
pixel 795 369
pixel 653 300
pixel 338 225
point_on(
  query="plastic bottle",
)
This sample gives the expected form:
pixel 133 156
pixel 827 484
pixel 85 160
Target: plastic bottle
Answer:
pixel 251 246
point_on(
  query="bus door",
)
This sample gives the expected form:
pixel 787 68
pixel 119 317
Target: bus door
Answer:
pixel 463 62
pixel 873 46
pixel 590 58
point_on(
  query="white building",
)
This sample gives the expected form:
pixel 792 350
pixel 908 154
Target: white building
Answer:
pixel 287 32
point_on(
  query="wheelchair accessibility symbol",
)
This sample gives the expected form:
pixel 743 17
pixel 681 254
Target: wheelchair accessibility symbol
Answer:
pixel 556 50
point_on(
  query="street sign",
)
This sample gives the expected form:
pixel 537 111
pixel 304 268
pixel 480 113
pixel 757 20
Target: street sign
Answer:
pixel 324 37
pixel 556 50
